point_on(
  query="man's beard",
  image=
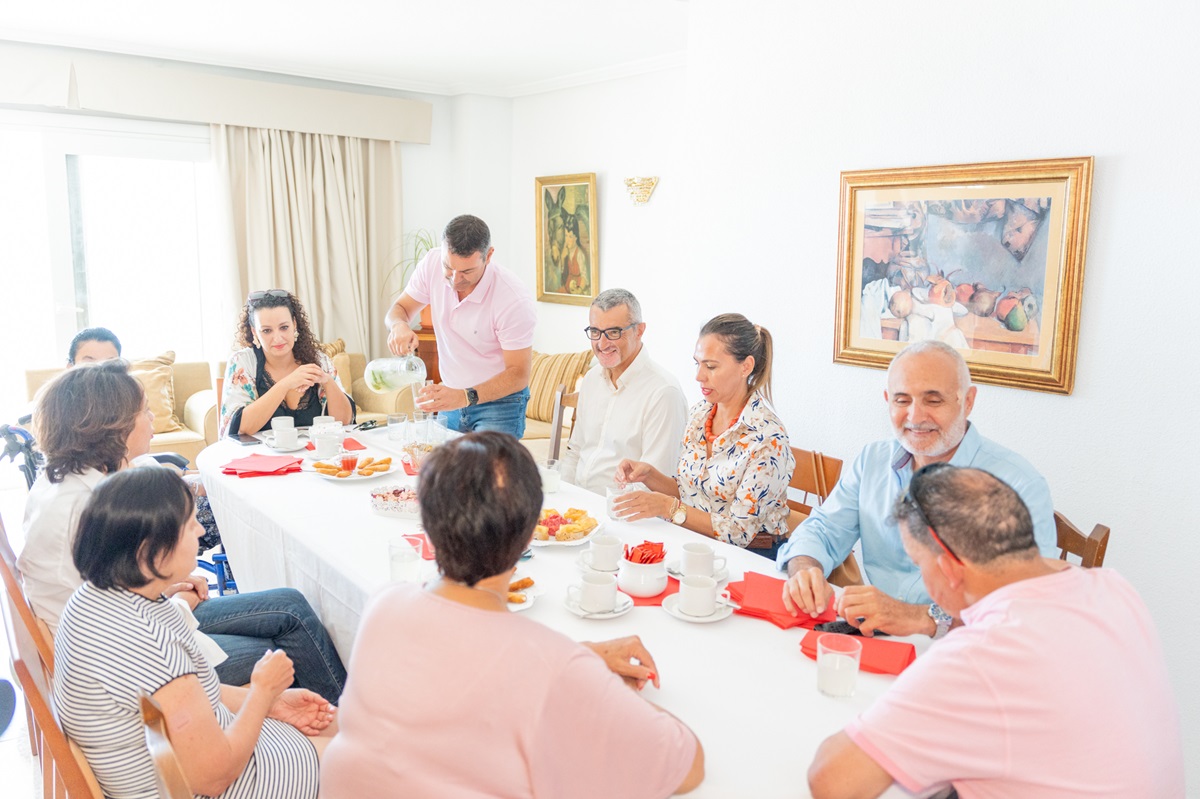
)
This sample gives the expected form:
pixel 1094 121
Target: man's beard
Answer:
pixel 946 441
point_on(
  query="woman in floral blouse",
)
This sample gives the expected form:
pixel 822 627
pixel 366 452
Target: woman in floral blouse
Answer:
pixel 736 462
pixel 279 371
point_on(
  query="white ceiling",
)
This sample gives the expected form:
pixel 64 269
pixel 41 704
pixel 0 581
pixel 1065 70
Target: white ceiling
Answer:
pixel 496 47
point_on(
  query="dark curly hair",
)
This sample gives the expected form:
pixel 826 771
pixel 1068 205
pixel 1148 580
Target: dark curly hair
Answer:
pixel 305 349
pixel 84 417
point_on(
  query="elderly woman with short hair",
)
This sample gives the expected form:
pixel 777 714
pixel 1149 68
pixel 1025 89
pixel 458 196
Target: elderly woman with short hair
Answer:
pixel 454 696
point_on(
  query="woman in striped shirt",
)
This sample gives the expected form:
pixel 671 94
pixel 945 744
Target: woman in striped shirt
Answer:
pixel 120 636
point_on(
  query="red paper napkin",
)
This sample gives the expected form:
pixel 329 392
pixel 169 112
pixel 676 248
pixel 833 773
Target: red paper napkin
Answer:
pixel 409 469
pixel 761 597
pixel 426 545
pixel 651 601
pixel 262 465
pixel 348 444
pixel 878 656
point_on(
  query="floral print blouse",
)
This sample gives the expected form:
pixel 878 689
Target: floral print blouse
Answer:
pixel 743 486
pixel 241 388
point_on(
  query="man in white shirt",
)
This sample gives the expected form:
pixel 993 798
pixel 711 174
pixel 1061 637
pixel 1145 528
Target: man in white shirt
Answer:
pixel 629 406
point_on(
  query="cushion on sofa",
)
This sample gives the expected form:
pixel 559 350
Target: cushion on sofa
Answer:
pixel 547 373
pixel 157 378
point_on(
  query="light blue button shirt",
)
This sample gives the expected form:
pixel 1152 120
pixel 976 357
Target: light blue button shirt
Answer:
pixel 862 501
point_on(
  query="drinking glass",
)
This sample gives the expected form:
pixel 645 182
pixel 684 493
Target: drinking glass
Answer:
pixel 838 657
pixel 420 427
pixel 404 556
pixel 397 427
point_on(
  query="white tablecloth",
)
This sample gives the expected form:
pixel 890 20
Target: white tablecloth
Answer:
pixel 742 684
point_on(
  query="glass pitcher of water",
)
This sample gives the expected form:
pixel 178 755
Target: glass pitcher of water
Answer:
pixel 390 374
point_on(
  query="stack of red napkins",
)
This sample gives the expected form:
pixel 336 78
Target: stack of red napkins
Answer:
pixel 654 601
pixel 878 656
pixel 645 552
pixel 761 596
pixel 262 465
pixel 348 444
pixel 426 545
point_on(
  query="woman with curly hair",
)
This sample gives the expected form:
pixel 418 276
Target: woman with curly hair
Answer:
pixel 279 371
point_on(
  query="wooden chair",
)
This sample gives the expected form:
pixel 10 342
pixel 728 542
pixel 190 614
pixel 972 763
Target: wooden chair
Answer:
pixel 1089 548
pixel 65 772
pixel 562 401
pixel 815 476
pixel 168 773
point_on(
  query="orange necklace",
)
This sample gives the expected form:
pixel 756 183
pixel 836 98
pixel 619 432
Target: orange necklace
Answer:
pixel 708 423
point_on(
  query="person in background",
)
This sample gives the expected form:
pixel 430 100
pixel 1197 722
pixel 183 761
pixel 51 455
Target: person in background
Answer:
pixel 484 318
pixel 929 397
pixel 1055 686
pixel 492 703
pixel 736 462
pixel 279 371
pixel 93 344
pixel 629 406
pixel 120 637
pixel 92 422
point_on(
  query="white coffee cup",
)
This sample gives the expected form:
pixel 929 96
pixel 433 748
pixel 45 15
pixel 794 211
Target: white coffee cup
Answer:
pixel 286 438
pixel 320 420
pixel 326 445
pixel 283 422
pixel 698 596
pixel 604 554
pixel 597 593
pixel 698 560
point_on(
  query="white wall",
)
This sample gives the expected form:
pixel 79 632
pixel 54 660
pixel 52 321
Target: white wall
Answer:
pixel 780 97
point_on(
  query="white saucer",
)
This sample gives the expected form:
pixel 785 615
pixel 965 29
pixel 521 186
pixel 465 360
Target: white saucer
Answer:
pixel 675 569
pixel 583 567
pixel 671 605
pixel 274 448
pixel 624 605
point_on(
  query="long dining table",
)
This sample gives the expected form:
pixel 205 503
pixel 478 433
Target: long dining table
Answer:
pixel 742 684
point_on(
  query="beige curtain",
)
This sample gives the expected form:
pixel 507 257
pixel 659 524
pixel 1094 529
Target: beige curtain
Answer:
pixel 319 215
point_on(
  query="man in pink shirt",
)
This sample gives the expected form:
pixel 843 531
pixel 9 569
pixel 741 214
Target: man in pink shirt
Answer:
pixel 1056 685
pixel 484 318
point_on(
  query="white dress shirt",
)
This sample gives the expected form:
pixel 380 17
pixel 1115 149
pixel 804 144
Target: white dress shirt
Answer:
pixel 641 417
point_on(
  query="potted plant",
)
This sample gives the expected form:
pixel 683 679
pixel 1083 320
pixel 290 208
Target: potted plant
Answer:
pixel 417 244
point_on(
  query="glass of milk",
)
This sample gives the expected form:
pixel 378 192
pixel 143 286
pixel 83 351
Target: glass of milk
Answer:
pixel 838 657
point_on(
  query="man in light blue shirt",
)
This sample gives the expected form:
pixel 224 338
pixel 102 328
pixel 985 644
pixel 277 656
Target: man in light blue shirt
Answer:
pixel 929 397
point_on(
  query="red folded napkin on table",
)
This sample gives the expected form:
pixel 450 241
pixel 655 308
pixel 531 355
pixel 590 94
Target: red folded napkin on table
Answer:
pixel 878 656
pixel 349 444
pixel 409 469
pixel 426 545
pixel 262 465
pixel 651 601
pixel 761 597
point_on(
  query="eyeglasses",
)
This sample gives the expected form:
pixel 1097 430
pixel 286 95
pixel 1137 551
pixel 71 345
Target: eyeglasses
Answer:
pixel 255 296
pixel 610 333
pixel 910 499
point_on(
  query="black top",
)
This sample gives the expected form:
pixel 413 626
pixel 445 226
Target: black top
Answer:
pixel 308 409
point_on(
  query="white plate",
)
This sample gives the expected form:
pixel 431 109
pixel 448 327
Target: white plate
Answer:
pixel 517 607
pixel 624 605
pixel 577 542
pixel 583 567
pixel 675 569
pixel 308 466
pixel 671 605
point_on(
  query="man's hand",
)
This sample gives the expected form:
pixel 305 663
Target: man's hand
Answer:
pixel 441 398
pixel 619 655
pixel 806 591
pixel 401 339
pixel 634 506
pixel 869 609
pixel 304 710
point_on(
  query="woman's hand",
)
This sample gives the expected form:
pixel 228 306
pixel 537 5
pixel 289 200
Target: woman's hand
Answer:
pixel 304 710
pixel 273 673
pixel 637 505
pixel 634 472
pixel 305 376
pixel 628 659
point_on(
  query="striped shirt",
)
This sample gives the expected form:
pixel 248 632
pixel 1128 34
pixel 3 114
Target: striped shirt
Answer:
pixel 113 643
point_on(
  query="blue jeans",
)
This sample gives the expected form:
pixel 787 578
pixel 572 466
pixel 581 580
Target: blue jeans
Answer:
pixel 506 414
pixel 247 625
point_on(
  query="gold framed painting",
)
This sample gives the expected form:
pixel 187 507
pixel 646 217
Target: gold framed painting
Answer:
pixel 988 258
pixel 568 244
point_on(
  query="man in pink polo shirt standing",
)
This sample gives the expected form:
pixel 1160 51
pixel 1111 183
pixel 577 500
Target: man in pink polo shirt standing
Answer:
pixel 484 318
pixel 1054 687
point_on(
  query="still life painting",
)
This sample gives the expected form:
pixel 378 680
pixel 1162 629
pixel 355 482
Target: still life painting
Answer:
pixel 568 248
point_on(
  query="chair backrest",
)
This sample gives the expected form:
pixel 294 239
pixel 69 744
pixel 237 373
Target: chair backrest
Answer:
pixel 562 401
pixel 1089 548
pixel 168 773
pixel 30 627
pixel 815 475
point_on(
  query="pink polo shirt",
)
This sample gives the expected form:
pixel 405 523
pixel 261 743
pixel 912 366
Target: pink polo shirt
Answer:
pixel 1055 687
pixel 472 334
pixel 455 702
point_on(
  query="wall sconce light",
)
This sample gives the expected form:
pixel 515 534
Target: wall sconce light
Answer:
pixel 640 189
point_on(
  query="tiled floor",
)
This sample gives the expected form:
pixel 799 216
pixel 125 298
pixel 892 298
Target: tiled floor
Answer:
pixel 17 766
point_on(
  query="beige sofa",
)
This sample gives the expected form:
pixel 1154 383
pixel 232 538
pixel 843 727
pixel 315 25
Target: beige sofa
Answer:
pixel 350 368
pixel 180 394
pixel 548 372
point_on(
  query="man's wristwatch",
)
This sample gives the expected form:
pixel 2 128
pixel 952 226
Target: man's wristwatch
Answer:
pixel 942 619
pixel 472 396
pixel 678 513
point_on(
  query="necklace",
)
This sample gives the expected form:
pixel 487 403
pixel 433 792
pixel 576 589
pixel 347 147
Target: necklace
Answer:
pixel 712 415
